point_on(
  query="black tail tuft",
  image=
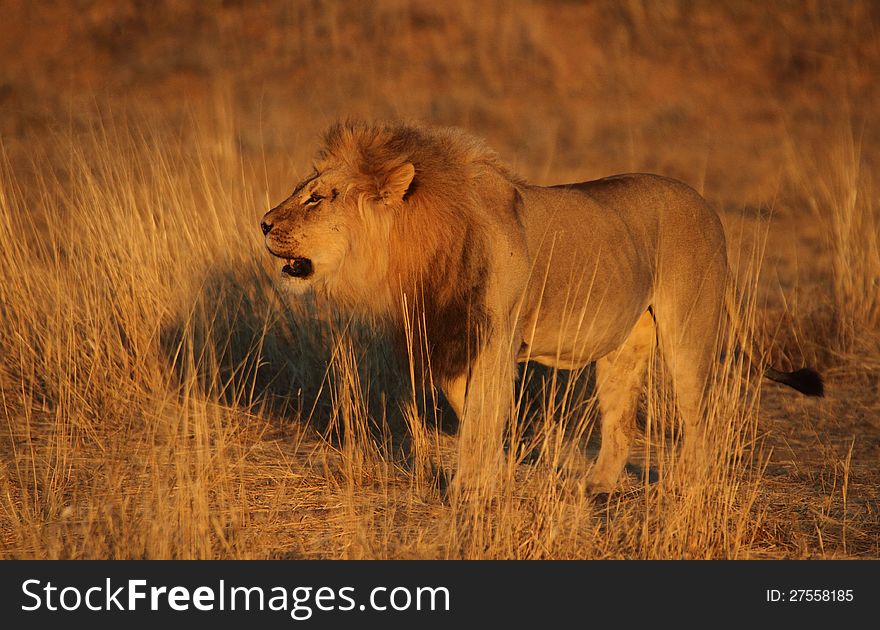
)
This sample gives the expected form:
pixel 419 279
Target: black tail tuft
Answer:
pixel 806 380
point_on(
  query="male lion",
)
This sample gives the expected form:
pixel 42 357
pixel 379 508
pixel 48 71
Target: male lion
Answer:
pixel 426 227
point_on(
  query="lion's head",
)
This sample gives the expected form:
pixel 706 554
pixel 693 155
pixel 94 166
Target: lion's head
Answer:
pixel 390 211
pixel 332 232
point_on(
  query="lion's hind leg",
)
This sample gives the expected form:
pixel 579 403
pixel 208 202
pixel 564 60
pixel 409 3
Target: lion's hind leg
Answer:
pixel 619 379
pixel 689 329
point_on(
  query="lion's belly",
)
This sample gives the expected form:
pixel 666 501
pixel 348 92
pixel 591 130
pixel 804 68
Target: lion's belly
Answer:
pixel 566 358
pixel 569 333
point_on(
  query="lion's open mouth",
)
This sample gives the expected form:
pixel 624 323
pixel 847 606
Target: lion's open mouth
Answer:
pixel 297 268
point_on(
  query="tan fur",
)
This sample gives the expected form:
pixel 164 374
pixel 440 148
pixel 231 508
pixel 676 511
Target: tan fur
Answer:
pixel 495 271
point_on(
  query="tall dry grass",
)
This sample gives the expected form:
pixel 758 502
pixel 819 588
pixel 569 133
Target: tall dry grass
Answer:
pixel 162 400
pixel 125 386
pixel 835 182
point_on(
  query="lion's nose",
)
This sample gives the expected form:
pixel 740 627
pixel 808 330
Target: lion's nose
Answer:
pixel 265 226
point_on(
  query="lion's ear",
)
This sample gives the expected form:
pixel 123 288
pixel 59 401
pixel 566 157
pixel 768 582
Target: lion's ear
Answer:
pixel 397 182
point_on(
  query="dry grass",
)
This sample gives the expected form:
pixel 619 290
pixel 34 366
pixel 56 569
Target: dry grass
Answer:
pixel 838 190
pixel 162 399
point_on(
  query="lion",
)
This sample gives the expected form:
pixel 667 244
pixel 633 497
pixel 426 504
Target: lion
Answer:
pixel 426 228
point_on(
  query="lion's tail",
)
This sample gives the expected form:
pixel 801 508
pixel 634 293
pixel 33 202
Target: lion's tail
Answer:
pixel 806 380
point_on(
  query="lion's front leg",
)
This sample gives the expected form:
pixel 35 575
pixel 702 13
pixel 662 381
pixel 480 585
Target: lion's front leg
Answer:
pixel 483 401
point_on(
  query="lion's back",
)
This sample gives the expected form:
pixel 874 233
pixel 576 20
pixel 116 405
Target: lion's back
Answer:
pixel 665 217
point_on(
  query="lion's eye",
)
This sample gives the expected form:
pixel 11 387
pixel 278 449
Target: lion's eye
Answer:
pixel 314 199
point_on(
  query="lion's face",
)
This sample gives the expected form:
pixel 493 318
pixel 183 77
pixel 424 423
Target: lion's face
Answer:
pixel 334 229
pixel 310 230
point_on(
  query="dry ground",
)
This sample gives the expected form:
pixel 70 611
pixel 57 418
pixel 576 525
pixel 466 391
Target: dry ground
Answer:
pixel 162 399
